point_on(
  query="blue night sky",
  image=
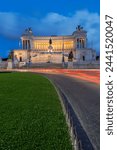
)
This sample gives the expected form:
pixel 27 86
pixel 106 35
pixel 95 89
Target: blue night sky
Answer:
pixel 47 17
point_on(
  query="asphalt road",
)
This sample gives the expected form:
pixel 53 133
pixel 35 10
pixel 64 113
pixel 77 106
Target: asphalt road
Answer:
pixel 84 98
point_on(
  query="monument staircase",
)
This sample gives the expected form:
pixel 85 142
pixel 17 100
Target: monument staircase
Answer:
pixel 43 65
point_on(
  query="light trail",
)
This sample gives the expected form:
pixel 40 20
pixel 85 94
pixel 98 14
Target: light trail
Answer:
pixel 91 75
pixel 84 74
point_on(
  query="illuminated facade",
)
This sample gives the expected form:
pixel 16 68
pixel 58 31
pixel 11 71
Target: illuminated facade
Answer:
pixel 39 49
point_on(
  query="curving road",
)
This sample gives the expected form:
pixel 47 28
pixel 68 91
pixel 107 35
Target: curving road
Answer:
pixel 84 98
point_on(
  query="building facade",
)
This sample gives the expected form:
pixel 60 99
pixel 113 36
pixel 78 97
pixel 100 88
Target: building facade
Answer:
pixel 54 49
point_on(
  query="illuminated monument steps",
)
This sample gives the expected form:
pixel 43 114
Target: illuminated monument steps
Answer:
pixel 42 49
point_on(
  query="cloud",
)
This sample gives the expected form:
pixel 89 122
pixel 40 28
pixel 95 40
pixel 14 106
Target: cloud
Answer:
pixel 7 23
pixel 13 24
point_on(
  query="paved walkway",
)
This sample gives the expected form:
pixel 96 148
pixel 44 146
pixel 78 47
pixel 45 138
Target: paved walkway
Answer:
pixel 91 75
pixel 84 97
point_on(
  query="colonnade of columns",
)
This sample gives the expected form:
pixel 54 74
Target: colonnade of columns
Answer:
pixel 26 44
pixel 81 43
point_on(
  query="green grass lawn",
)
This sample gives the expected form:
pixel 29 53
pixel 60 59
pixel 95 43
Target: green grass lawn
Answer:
pixel 31 116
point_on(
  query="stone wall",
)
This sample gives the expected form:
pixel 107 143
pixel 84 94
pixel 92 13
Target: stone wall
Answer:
pixel 3 64
pixel 87 65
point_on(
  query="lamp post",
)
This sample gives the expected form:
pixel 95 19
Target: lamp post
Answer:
pixel 29 58
pixel 50 48
pixel 63 60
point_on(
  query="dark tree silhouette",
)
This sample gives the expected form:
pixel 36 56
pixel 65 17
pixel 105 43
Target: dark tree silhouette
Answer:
pixel 70 57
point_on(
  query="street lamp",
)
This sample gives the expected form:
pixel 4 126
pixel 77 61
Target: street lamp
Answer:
pixel 50 48
pixel 29 57
pixel 63 60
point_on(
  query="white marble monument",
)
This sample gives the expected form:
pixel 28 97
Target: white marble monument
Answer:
pixel 36 49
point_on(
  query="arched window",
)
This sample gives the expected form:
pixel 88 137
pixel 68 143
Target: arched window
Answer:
pixel 83 57
pixel 20 59
pixel 77 43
